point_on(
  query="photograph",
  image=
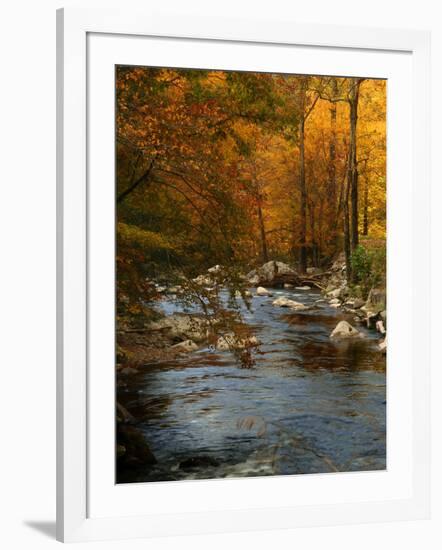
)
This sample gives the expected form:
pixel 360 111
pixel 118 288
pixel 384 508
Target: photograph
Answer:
pixel 250 274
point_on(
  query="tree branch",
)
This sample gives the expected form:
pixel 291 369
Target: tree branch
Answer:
pixel 137 182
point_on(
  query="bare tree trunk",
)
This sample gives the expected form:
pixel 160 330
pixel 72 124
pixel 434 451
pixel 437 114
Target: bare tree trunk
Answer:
pixel 332 148
pixel 314 242
pixel 265 255
pixel 347 240
pixel 303 113
pixel 303 191
pixel 320 232
pixel 353 165
pixel 365 222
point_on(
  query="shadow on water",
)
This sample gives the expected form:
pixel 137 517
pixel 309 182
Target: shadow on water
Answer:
pixel 310 405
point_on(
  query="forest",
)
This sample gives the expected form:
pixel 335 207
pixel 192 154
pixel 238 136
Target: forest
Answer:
pixel 222 176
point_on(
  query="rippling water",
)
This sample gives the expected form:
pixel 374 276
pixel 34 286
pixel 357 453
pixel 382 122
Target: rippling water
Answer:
pixel 310 405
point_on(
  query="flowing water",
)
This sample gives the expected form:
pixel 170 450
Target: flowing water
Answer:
pixel 309 405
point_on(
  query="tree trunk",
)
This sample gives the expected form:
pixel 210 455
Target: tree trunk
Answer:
pixel 314 243
pixel 303 191
pixel 347 240
pixel 303 113
pixel 365 223
pixel 265 255
pixel 332 149
pixel 353 166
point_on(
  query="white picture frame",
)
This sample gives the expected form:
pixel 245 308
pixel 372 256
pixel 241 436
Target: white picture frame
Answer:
pixel 82 517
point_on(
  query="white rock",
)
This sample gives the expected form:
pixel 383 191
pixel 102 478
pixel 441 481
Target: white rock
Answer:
pixel 186 346
pixel 261 291
pixel 335 293
pixel 270 272
pixel 344 330
pixel 286 302
pixel 288 285
pixel 380 327
pixel 215 269
pixel 203 280
pixel 174 289
pixel 354 303
pixel 383 345
pixel 334 301
pixel 253 280
pixel 303 287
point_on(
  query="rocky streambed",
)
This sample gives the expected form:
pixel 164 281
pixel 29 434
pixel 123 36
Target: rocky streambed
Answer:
pixel 313 402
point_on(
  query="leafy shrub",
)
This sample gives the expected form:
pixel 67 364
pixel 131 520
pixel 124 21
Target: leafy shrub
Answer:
pixel 368 269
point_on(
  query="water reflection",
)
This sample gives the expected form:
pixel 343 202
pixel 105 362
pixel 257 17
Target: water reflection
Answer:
pixel 322 404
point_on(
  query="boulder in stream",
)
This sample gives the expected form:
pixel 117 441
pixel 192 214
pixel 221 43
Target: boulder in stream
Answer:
pixel 273 274
pixel 182 326
pixel 286 302
pixel 344 330
pixel 354 303
pixel 383 345
pixel 335 293
pixel 261 291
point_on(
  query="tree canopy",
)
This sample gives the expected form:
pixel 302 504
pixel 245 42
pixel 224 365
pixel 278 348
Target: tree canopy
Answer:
pixel 236 168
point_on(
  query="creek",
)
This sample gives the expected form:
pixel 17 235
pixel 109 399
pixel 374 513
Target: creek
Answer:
pixel 310 405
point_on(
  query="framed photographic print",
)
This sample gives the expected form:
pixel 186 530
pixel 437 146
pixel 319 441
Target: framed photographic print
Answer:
pixel 242 217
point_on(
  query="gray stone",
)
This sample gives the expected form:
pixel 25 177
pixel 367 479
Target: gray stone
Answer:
pixel 183 327
pixel 344 330
pixel 383 345
pixel 272 273
pixel 335 293
pixel 380 327
pixel 261 291
pixel 286 302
